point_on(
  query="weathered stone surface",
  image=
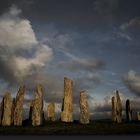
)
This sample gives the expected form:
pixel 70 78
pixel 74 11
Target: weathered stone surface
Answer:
pixel 6 120
pixel 13 109
pixel 118 108
pixel 128 111
pixel 51 112
pixel 113 109
pixel 84 108
pixel 37 110
pixel 18 111
pixel 1 110
pixel 138 116
pixel 67 113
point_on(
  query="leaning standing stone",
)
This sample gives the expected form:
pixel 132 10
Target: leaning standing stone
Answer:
pixel 67 112
pixel 128 110
pixel 51 112
pixel 37 110
pixel 18 111
pixel 84 108
pixel 6 120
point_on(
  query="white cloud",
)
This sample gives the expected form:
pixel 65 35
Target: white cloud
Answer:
pixel 132 80
pixel 17 38
pixel 123 35
pixel 16 32
pixel 24 65
pixel 133 23
pixel 129 30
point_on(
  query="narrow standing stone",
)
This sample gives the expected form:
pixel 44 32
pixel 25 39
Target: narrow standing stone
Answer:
pixel 6 120
pixel 128 111
pixel 138 116
pixel 37 110
pixel 51 112
pixel 84 108
pixel 67 113
pixel 18 111
pixel 1 110
pixel 113 109
pixel 118 108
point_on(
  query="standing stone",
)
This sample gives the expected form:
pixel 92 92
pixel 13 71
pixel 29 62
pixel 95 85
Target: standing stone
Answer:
pixel 37 110
pixel 118 108
pixel 138 116
pixel 18 112
pixel 13 109
pixel 6 120
pixel 67 113
pixel 128 111
pixel 1 110
pixel 51 112
pixel 113 109
pixel 84 108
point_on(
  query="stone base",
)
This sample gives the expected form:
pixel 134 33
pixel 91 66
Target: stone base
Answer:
pixel 66 117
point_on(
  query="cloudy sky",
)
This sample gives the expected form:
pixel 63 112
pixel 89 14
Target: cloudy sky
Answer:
pixel 96 43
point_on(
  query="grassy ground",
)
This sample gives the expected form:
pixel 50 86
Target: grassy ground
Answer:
pixel 58 128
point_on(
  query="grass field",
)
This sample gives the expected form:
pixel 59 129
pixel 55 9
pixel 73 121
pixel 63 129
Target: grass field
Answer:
pixel 100 127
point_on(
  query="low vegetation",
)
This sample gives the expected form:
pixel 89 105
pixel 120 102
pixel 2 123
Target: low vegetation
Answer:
pixel 98 127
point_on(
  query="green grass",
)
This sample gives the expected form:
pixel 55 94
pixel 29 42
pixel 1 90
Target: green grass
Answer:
pixel 100 127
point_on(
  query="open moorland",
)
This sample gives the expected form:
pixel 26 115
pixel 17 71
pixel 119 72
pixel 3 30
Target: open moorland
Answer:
pixel 97 127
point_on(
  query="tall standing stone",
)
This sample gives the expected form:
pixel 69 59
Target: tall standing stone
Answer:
pixel 51 112
pixel 37 110
pixel 1 110
pixel 6 120
pixel 67 113
pixel 18 111
pixel 138 116
pixel 113 109
pixel 84 108
pixel 128 111
pixel 13 109
pixel 118 108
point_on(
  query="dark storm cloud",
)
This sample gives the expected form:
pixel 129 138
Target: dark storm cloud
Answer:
pixel 72 12
pixel 106 8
